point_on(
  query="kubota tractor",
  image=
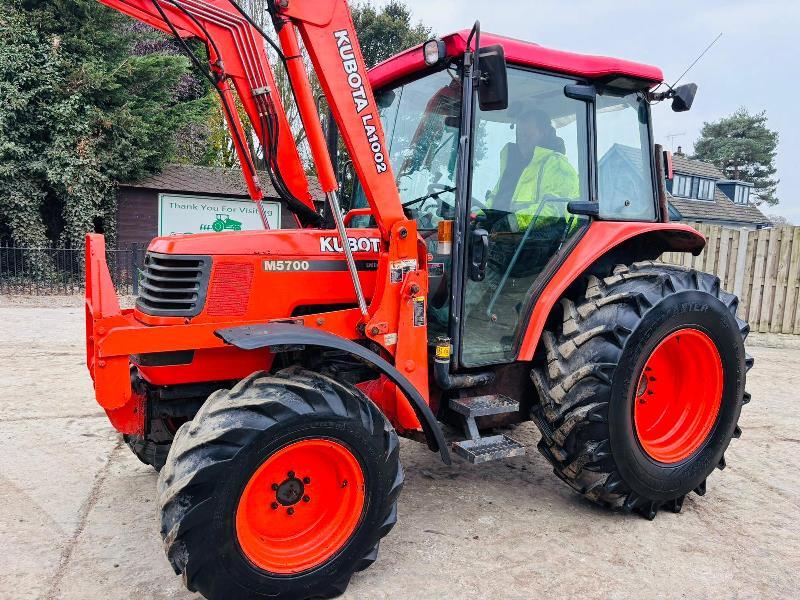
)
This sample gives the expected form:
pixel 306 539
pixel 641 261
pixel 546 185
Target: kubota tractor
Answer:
pixel 494 265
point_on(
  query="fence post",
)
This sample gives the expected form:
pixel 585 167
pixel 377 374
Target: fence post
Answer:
pixel 135 268
pixel 741 263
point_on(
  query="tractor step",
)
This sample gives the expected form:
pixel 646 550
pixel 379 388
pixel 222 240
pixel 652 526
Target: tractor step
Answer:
pixel 483 406
pixel 485 449
pixel 477 449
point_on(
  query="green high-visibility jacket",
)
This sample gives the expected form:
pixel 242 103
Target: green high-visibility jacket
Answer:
pixel 549 174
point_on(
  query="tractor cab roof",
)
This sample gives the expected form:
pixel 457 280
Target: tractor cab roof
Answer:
pixel 619 72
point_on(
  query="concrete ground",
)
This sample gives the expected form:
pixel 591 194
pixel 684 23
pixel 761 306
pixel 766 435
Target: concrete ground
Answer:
pixel 77 516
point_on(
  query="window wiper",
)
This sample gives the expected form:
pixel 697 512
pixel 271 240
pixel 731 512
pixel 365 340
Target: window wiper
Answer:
pixel 436 194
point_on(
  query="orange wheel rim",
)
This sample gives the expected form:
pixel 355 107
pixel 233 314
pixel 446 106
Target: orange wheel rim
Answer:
pixel 301 506
pixel 678 396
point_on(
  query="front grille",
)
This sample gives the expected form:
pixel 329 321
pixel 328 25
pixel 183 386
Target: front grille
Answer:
pixel 229 291
pixel 173 285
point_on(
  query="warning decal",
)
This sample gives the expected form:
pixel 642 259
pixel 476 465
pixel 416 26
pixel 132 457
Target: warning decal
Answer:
pixel 399 268
pixel 419 311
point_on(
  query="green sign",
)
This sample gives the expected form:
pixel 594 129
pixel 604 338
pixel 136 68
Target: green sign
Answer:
pixel 195 214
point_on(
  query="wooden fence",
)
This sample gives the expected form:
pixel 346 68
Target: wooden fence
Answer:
pixel 761 267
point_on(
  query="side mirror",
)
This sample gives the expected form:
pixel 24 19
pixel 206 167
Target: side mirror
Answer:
pixel 493 84
pixel 684 96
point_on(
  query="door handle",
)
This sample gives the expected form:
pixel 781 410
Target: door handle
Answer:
pixel 479 254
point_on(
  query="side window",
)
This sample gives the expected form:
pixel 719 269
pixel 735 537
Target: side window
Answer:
pixel 624 178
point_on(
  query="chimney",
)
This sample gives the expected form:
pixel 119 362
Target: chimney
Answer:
pixel 679 151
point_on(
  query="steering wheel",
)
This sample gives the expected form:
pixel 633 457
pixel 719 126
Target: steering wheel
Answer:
pixel 437 188
pixel 434 191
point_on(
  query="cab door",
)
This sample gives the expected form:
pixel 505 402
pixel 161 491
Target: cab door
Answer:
pixel 530 160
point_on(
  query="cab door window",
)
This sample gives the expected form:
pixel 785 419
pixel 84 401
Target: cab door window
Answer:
pixel 531 160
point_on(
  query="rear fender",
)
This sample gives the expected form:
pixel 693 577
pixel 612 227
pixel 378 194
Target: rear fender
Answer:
pixel 110 374
pixel 285 334
pixel 611 242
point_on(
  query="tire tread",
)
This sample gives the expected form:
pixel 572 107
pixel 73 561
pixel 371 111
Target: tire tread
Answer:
pixel 574 380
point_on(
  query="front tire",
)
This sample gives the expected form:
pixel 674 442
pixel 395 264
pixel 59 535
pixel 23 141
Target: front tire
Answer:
pixel 642 387
pixel 281 487
pixel 152 448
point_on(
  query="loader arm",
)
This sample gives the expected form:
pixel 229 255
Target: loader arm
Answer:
pixel 237 55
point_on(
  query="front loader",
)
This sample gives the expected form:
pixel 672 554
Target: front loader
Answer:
pixel 493 263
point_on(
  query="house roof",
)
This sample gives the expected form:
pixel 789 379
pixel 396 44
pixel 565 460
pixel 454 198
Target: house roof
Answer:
pixel 211 181
pixel 721 208
pixel 629 153
pixel 687 166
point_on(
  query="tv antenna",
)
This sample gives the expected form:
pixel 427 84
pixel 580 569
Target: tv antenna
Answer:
pixel 671 137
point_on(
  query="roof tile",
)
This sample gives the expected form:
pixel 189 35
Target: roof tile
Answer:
pixel 720 209
pixel 687 166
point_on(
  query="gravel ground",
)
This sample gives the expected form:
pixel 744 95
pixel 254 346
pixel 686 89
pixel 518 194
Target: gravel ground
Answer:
pixel 78 517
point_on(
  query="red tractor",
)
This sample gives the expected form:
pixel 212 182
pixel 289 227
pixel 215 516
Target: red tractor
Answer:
pixel 493 265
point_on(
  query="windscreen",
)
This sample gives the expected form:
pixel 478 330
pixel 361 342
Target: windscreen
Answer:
pixel 421 120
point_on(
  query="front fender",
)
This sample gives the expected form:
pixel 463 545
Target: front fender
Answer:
pixel 253 337
pixel 633 241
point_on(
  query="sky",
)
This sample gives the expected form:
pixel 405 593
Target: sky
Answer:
pixel 755 64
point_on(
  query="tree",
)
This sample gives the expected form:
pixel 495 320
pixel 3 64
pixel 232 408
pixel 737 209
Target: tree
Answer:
pixel 384 32
pixel 743 148
pixel 780 221
pixel 193 142
pixel 81 111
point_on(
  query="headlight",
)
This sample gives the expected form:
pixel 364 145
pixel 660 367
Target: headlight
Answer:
pixel 434 52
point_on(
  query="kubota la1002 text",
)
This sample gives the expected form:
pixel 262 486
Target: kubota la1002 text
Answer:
pixel 493 265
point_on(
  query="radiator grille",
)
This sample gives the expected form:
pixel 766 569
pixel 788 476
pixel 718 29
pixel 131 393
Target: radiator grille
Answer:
pixel 173 285
pixel 229 292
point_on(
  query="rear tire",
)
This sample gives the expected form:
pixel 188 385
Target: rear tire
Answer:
pixel 593 379
pixel 216 479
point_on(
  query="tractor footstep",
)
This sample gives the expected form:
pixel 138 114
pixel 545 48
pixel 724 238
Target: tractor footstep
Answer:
pixel 485 449
pixel 481 406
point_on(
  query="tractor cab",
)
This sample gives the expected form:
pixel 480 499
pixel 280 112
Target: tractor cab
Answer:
pixel 500 189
